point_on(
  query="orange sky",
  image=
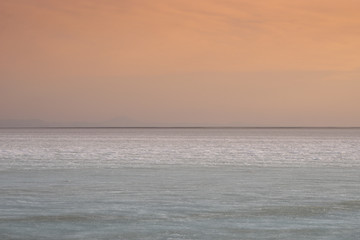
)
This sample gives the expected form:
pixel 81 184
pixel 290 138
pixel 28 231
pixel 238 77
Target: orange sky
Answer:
pixel 182 62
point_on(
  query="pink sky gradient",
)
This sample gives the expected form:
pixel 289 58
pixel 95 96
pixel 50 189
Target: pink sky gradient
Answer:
pixel 182 63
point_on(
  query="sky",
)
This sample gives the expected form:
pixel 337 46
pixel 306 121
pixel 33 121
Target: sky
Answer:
pixel 181 62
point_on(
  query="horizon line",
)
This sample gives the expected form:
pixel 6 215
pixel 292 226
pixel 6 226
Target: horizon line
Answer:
pixel 180 127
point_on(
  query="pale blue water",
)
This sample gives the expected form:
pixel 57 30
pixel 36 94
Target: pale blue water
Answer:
pixel 179 184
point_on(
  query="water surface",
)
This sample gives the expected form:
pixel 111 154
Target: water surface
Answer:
pixel 179 184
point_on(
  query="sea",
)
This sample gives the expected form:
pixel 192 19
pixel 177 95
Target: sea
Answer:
pixel 180 183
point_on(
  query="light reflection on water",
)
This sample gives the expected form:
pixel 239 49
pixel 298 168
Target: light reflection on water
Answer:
pixel 113 148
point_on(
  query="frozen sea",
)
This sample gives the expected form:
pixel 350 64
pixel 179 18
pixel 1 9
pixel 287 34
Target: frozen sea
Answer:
pixel 185 183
